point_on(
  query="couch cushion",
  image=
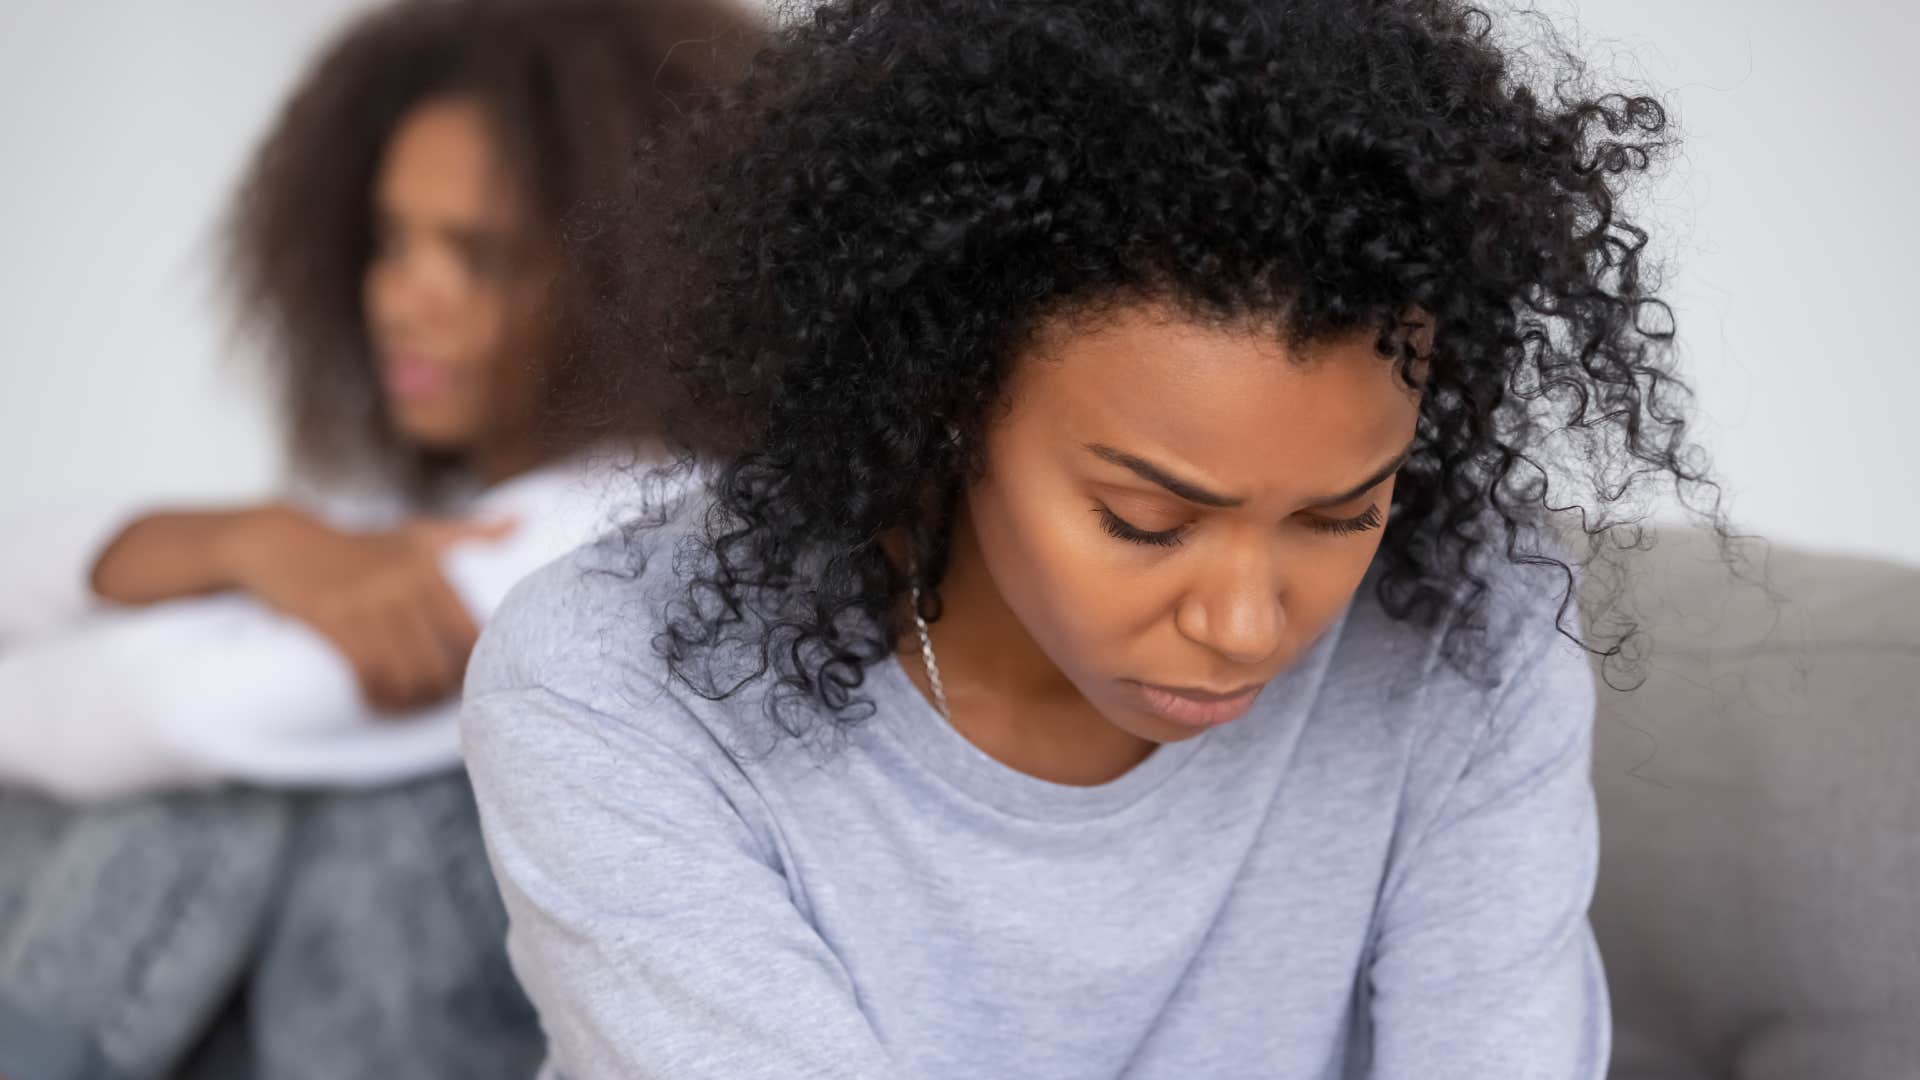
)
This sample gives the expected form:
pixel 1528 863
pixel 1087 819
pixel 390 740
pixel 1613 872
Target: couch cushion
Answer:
pixel 1760 804
pixel 1823 1048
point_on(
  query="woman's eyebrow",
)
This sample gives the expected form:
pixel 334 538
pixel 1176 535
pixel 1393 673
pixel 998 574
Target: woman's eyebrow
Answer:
pixel 1379 476
pixel 1152 473
pixel 1194 493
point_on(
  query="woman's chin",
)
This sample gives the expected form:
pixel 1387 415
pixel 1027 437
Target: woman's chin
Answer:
pixel 1143 724
pixel 435 430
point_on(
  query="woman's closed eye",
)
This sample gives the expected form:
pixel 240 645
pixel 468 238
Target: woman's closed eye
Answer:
pixel 1122 529
pixel 1364 521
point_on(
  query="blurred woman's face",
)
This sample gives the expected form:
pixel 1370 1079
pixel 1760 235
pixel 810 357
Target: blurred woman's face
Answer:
pixel 454 289
pixel 1172 511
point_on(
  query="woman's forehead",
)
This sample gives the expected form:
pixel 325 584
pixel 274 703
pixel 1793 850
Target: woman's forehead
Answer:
pixel 442 162
pixel 1147 361
pixel 1236 404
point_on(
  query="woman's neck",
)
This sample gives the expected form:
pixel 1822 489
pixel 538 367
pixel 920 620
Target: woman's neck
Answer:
pixel 501 461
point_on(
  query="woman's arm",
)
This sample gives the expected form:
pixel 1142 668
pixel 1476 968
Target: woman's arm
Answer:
pixel 1485 963
pixel 649 923
pixel 381 597
pixel 63 564
pixel 170 554
pixel 51 560
pixel 223 688
pixel 59 566
pixel 194 692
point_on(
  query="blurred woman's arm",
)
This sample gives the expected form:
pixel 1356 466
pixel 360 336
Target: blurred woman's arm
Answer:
pixel 227 688
pixel 195 692
pixel 380 597
pixel 63 564
pixel 170 554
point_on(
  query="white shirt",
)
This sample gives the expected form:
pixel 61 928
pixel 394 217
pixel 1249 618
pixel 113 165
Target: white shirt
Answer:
pixel 99 700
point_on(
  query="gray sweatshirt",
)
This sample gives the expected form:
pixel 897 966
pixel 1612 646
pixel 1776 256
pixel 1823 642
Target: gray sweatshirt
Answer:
pixel 1382 870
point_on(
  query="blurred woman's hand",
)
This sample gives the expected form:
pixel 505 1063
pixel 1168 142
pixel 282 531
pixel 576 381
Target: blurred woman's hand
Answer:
pixel 380 598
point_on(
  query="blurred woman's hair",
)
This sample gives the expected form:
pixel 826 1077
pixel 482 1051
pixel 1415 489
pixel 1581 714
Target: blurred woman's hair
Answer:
pixel 572 88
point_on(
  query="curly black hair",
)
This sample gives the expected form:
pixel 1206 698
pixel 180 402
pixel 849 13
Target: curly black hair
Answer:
pixel 902 190
pixel 572 88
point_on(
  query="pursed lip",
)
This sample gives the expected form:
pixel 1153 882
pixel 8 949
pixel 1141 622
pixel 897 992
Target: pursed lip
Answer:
pixel 1196 694
pixel 409 376
pixel 1197 707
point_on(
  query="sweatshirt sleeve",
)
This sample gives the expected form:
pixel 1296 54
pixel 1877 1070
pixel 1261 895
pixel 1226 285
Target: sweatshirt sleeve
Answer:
pixel 649 918
pixel 1485 963
pixel 46 563
pixel 195 692
pixel 47 557
pixel 206 689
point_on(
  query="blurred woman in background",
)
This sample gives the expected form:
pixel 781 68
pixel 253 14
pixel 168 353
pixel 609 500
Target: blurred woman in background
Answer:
pixel 258 702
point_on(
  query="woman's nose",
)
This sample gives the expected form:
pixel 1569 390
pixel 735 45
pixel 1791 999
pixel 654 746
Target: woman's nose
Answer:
pixel 1238 615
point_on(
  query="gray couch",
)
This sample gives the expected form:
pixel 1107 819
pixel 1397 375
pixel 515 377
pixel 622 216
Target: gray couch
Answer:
pixel 1758 906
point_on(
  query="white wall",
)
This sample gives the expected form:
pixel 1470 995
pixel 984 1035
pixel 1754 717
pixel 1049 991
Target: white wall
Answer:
pixel 126 125
pixel 126 122
pixel 1792 234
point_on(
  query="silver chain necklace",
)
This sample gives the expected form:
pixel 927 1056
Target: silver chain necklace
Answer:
pixel 926 655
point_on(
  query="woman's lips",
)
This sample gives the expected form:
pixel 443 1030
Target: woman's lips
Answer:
pixel 1198 708
pixel 412 379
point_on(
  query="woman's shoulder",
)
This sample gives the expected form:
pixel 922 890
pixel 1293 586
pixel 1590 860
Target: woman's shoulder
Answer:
pixel 585 620
pixel 567 670
pixel 1453 669
pixel 1450 724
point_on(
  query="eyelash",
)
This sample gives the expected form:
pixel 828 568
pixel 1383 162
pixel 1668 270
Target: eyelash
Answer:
pixel 1121 530
pixel 1347 526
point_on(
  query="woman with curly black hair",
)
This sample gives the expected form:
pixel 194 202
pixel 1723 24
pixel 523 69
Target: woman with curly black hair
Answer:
pixel 1124 634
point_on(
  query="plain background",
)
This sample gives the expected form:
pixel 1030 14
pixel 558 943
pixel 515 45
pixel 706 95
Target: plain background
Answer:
pixel 1786 225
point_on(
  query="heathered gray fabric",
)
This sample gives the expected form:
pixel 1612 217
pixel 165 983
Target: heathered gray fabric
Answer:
pixel 1383 870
